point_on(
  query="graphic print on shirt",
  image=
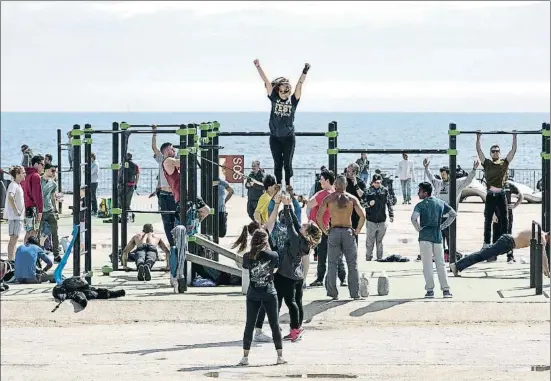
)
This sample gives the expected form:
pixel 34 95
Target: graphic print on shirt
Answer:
pixel 283 107
pixel 445 187
pixel 260 274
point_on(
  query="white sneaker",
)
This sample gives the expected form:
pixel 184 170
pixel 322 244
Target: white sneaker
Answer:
pixel 262 338
pixel 174 283
pixel 280 360
pixel 244 361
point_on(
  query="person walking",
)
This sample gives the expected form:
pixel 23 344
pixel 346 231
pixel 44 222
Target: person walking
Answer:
pixel 427 220
pixel 377 201
pixel 363 163
pixel 406 175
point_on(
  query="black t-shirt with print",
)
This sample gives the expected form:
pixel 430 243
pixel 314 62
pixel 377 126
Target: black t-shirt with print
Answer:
pixel 261 274
pixel 282 116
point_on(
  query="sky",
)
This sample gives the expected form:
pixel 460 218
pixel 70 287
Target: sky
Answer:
pixel 198 56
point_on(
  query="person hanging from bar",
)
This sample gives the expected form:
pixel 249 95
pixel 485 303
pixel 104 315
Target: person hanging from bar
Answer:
pixel 496 175
pixel 282 117
pixel 504 245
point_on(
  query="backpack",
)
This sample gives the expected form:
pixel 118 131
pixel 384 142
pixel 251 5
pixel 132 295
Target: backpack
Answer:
pixel 131 173
pixel 104 208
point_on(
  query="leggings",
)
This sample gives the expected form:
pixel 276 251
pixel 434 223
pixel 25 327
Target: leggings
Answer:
pixel 268 304
pixel 286 289
pixel 283 150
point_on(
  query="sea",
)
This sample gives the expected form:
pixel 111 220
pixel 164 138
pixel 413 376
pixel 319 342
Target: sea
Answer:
pixel 356 131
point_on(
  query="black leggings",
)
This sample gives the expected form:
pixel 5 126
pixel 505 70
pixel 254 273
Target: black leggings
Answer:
pixel 298 299
pixel 283 150
pixel 286 287
pixel 495 203
pixel 269 304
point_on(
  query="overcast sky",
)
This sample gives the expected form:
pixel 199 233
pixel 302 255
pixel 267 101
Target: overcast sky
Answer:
pixel 198 56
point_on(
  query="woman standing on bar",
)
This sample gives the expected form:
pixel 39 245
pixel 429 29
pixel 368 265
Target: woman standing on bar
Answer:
pixel 282 117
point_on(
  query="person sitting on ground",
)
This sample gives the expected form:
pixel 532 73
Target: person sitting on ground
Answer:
pixel 146 244
pixel 26 259
pixel 341 237
pixel 505 244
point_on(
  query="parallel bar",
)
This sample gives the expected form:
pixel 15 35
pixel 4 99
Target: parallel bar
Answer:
pixel 59 182
pixel 538 132
pixel 76 201
pixel 203 241
pixel 88 202
pixel 259 133
pixel 123 175
pixel 453 193
pixel 213 265
pixel 114 200
pixel 396 151
pixel 134 131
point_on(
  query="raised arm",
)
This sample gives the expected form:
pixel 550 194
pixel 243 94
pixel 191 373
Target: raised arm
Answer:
pixel 479 148
pixel 511 154
pixel 154 141
pixel 358 208
pixel 291 231
pixel 298 90
pixel 429 174
pixel 272 218
pixel 267 82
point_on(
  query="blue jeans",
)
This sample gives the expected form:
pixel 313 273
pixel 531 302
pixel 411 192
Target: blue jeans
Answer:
pixel 504 244
pixel 406 189
pixel 365 178
pixel 167 203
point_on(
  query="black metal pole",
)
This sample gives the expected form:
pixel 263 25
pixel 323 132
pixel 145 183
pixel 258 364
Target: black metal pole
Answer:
pixel 115 211
pixel 191 171
pixel 332 149
pixel 533 248
pixel 209 221
pixel 546 183
pixel 452 132
pixel 123 185
pixel 60 168
pixel 538 265
pixel 216 169
pixel 204 140
pixel 184 157
pixel 88 198
pixel 76 142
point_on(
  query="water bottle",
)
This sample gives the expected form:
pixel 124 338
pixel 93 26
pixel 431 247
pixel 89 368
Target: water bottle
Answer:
pixel 364 286
pixel 383 284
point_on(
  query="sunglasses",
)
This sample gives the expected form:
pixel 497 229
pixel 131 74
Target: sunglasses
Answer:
pixel 494 151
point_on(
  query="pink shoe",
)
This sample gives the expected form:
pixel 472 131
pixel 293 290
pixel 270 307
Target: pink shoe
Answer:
pixel 293 335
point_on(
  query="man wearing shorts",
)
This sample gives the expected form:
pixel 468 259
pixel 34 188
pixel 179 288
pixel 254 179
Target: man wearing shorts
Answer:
pixel 32 190
pixel 15 208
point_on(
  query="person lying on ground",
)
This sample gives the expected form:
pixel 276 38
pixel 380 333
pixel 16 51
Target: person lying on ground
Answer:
pixel 146 244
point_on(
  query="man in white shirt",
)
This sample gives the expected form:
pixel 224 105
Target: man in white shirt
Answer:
pixel 406 175
pixel 14 210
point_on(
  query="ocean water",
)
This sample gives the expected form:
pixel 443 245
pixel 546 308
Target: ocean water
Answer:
pixel 356 130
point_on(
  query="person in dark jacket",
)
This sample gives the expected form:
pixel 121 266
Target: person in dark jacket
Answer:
pixel 298 242
pixel 377 200
pixel 254 190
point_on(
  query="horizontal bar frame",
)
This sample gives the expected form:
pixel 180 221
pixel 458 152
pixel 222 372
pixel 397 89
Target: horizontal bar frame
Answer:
pixel 152 211
pixel 536 132
pixel 392 151
pixel 259 133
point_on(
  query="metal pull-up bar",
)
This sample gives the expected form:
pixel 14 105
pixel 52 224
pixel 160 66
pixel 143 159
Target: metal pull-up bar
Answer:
pixel 262 133
pixel 536 132
pixel 391 151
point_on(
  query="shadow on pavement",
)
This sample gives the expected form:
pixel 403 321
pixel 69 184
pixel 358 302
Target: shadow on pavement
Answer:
pixel 216 367
pixel 314 308
pixel 380 305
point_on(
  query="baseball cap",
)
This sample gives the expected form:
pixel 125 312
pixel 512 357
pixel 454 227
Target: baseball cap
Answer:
pixel 49 165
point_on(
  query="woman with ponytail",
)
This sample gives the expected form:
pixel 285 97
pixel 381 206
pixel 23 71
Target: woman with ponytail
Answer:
pixel 261 263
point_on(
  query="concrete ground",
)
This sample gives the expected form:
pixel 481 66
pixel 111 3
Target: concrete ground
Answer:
pixel 495 327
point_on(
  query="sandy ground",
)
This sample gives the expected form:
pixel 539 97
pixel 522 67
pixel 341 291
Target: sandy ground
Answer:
pixel 495 328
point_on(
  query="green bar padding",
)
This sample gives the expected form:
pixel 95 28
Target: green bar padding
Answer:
pixel 125 126
pixel 182 131
pixel 126 165
pixel 205 127
pixel 88 130
pixel 195 138
pixel 452 152
pixel 205 140
pixel 76 132
pixel 333 151
pixel 116 166
pixel 191 238
pixel 211 211
pixel 545 156
pixel 76 142
pixel 546 132
pixel 215 125
pixel 332 134
pixel 454 132
pixel 116 211
pixel 192 131
pixel 88 141
pixel 183 151
pixel 211 134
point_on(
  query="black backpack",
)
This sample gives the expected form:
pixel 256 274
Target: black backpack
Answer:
pixel 131 173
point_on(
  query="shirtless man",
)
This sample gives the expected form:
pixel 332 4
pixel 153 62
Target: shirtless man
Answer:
pixel 146 251
pixel 342 237
pixel 505 244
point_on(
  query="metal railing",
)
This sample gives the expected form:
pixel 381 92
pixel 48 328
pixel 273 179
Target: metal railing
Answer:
pixel 303 179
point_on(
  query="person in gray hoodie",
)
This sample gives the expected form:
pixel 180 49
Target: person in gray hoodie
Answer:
pixel 441 188
pixel 27 156
pixel 289 278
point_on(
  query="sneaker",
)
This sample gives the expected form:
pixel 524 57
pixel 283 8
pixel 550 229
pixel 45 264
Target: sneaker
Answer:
pixel 141 270
pixel 429 295
pixel 316 283
pixel 262 338
pixel 369 259
pixel 510 259
pixel 280 360
pixel 57 258
pixel 344 284
pixel 147 273
pixel 333 297
pixel 244 361
pixel 447 294
pixel 453 269
pixel 418 257
pixel 174 284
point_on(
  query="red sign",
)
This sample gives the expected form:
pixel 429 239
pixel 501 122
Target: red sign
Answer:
pixel 232 167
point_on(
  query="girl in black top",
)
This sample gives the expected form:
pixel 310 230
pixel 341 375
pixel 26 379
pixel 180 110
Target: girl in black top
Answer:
pixel 282 118
pixel 261 263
